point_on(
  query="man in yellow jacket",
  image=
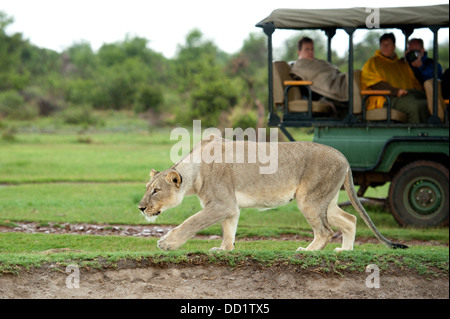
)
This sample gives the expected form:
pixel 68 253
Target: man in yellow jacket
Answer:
pixel 385 71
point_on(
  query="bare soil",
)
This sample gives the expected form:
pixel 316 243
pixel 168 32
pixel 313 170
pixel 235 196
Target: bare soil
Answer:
pixel 133 279
pixel 208 281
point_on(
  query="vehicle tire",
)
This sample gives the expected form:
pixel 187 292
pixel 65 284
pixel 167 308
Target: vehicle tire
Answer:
pixel 419 193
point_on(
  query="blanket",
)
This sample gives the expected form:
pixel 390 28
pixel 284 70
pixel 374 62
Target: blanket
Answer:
pixel 327 80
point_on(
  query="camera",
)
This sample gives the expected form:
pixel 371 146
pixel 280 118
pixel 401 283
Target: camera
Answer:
pixel 412 56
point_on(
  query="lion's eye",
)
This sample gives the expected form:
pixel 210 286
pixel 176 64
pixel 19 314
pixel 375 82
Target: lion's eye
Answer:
pixel 155 191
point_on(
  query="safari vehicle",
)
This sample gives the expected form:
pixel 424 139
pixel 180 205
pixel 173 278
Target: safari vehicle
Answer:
pixel 380 146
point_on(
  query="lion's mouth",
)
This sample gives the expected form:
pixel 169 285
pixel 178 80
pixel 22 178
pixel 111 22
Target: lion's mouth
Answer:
pixel 154 215
pixel 143 210
pixel 151 218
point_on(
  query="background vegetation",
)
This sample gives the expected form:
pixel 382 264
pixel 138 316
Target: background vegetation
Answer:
pixel 201 81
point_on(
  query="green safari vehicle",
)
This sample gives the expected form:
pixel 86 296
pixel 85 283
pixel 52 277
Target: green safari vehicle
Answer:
pixel 380 146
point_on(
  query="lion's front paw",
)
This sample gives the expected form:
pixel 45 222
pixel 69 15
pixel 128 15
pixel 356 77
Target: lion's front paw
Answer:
pixel 216 249
pixel 168 243
pixel 300 249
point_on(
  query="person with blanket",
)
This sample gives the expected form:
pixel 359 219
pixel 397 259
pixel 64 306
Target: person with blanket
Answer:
pixel 327 80
pixel 328 83
pixel 385 71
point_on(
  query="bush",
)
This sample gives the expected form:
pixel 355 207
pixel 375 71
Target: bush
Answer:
pixel 10 100
pixel 79 91
pixel 8 133
pixel 79 115
pixel 12 105
pixel 148 97
pixel 243 118
pixel 209 99
pixel 38 98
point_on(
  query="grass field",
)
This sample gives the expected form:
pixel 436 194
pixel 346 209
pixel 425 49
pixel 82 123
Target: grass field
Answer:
pixel 50 172
pixel 33 250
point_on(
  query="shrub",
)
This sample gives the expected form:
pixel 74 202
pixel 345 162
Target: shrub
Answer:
pixel 79 115
pixel 148 97
pixel 210 98
pixel 79 91
pixel 13 105
pixel 8 133
pixel 243 118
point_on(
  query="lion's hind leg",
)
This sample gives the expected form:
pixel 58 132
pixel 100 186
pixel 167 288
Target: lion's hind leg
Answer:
pixel 343 221
pixel 316 217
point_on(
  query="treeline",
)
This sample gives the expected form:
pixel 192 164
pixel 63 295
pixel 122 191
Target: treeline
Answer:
pixel 201 81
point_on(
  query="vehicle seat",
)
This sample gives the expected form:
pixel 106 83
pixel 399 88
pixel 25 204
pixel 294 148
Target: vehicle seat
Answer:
pixel 281 73
pixel 376 114
pixel 428 86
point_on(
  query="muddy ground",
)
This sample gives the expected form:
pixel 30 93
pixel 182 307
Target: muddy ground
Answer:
pixel 133 279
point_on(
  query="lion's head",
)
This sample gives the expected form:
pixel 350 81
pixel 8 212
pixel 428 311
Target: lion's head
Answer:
pixel 163 192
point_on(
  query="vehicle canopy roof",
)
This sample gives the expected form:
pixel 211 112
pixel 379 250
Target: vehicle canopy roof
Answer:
pixel 400 17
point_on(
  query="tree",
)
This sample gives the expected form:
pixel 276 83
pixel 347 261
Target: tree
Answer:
pixel 81 60
pixel 210 98
pixel 250 67
pixel 201 79
pixel 4 21
pixel 148 97
pixel 12 74
pixel 22 63
pixel 365 49
pixel 194 61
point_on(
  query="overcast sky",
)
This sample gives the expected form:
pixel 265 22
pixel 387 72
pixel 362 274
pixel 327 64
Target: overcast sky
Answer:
pixel 57 24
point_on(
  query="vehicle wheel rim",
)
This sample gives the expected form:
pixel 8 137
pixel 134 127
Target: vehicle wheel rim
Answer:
pixel 424 197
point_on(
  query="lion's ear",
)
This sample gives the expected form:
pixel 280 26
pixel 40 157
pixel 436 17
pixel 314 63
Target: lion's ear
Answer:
pixel 174 178
pixel 153 173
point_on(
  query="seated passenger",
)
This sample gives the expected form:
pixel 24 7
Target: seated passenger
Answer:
pixel 327 80
pixel 385 71
pixel 422 65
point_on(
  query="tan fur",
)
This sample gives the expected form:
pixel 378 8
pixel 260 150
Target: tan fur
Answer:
pixel 311 173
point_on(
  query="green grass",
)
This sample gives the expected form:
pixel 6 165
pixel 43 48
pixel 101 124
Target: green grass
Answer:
pixel 50 172
pixel 33 250
pixel 120 151
pixel 116 203
pixel 43 159
pixel 74 203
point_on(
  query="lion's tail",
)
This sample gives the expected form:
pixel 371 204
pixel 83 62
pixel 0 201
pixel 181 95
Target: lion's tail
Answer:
pixel 350 188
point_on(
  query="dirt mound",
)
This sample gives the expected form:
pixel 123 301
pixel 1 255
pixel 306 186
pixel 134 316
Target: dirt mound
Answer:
pixel 209 281
pixel 132 279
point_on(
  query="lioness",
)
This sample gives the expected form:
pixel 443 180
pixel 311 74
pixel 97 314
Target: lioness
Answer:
pixel 310 173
